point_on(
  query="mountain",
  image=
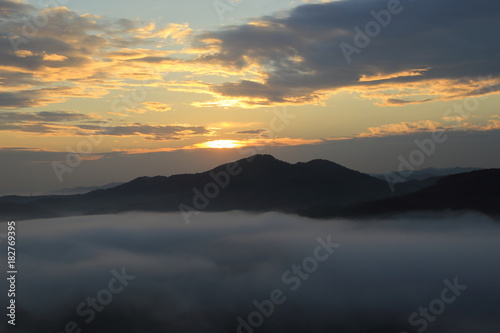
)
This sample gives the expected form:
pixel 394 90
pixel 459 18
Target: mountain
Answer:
pixel 259 183
pixel 317 188
pixel 426 173
pixel 82 189
pixel 10 210
pixel 472 191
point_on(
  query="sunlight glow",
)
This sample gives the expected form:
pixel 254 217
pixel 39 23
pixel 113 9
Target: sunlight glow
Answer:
pixel 220 144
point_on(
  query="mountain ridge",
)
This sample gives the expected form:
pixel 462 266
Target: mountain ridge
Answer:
pixel 470 191
pixel 317 188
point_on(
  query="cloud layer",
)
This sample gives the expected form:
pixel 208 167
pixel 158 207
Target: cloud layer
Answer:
pixel 417 52
pixel 423 51
pixel 50 54
pixel 202 277
pixel 67 123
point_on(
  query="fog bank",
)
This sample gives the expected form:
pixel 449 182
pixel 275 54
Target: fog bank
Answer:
pixel 208 276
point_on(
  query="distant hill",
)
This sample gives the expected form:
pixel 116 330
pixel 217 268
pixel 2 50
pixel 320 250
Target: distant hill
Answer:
pixel 472 191
pixel 317 188
pixel 426 173
pixel 82 189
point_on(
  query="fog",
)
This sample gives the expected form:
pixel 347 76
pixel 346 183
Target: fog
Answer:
pixel 205 277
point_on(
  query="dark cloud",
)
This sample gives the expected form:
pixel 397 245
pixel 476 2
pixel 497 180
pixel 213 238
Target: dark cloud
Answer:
pixel 431 43
pixel 9 9
pixel 19 99
pixel 49 122
pixel 256 131
pixel 42 122
pixel 154 59
pixel 20 149
pixel 12 79
pixel 202 277
pixel 39 96
pixel 396 101
pixel 30 128
pixel 45 116
pixel 150 132
pixel 25 44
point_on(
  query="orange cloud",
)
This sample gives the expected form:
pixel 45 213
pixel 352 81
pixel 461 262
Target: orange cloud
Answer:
pixel 403 128
pixel 428 126
pixel 72 55
pixel 151 107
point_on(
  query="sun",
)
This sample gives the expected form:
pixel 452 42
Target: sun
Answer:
pixel 220 144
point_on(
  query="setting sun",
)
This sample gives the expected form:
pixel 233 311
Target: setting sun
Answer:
pixel 221 144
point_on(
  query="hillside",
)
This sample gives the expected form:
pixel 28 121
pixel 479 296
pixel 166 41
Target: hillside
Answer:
pixel 260 182
pixel 472 191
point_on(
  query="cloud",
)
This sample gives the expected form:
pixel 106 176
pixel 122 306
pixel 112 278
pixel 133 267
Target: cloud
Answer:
pixel 28 149
pixel 43 116
pixel 151 106
pixel 13 8
pixel 396 101
pixel 435 49
pixel 405 128
pixel 288 58
pixel 179 33
pixel 65 123
pixel 492 125
pixel 252 132
pixel 202 277
pixel 50 54
pixel 149 132
pixel 43 122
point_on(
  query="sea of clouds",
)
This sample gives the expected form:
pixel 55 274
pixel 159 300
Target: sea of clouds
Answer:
pixel 239 272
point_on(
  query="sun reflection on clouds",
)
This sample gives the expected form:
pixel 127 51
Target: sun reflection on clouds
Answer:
pixel 220 144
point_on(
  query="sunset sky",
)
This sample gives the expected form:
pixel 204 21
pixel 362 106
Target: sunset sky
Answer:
pixel 150 87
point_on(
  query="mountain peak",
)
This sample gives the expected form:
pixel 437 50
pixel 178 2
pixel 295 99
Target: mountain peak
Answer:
pixel 320 162
pixel 262 160
pixel 262 157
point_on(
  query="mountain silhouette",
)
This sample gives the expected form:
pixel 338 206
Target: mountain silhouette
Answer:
pixel 318 188
pixel 426 173
pixel 258 183
pixel 471 191
pixel 82 189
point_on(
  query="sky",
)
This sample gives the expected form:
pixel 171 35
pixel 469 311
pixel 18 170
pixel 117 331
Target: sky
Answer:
pixel 93 92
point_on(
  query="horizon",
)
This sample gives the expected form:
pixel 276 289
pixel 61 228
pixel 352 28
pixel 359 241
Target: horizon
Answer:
pixel 230 162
